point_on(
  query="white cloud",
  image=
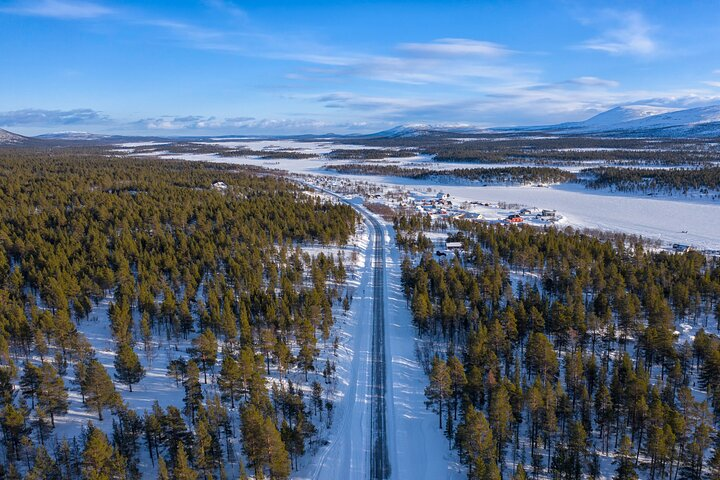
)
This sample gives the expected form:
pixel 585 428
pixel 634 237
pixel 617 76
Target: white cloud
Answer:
pixel 456 47
pixel 594 82
pixel 457 62
pixel 207 124
pixel 33 116
pixel 61 9
pixel 715 84
pixel 627 33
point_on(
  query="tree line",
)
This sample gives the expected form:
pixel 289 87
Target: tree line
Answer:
pixel 503 175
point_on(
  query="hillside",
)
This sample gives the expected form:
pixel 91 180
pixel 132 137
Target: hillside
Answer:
pixel 9 138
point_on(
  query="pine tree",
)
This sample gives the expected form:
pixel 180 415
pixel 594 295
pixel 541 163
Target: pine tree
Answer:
pixel 182 470
pixel 577 449
pixel 230 379
pixel 12 472
pixel 14 426
pixel 715 465
pixel 202 447
pixel 99 389
pixel 174 432
pixel 193 390
pixel 44 467
pixel 625 461
pixel 440 386
pixel 500 416
pixel 146 336
pixel 475 442
pixel 206 347
pixel 52 396
pixel 263 445
pixel 458 379
pixel 128 369
pixel 283 357
pixel 278 461
pixel 97 456
pixel 253 439
pixel 162 470
pixel 30 382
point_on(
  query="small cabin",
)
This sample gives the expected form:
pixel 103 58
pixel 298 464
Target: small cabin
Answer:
pixel 681 248
pixel 525 211
pixel 515 219
pixel 547 213
pixel 453 245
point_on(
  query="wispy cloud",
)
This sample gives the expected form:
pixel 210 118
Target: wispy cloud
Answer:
pixel 228 7
pixel 60 9
pixel 456 47
pixel 712 83
pixel 39 117
pixel 205 124
pixel 458 62
pixel 625 33
pixel 593 82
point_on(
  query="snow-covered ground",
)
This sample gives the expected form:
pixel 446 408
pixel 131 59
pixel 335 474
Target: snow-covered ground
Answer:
pixel 418 448
pixel 345 455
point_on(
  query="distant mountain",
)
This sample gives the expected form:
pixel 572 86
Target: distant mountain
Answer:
pixel 677 118
pixel 73 136
pixel 647 120
pixel 626 120
pixel 625 113
pixel 9 138
pixel 422 130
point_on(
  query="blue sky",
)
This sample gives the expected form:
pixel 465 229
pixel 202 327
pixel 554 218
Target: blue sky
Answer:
pixel 224 67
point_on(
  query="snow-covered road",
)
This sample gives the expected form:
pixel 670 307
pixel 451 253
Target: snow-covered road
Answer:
pixel 414 447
